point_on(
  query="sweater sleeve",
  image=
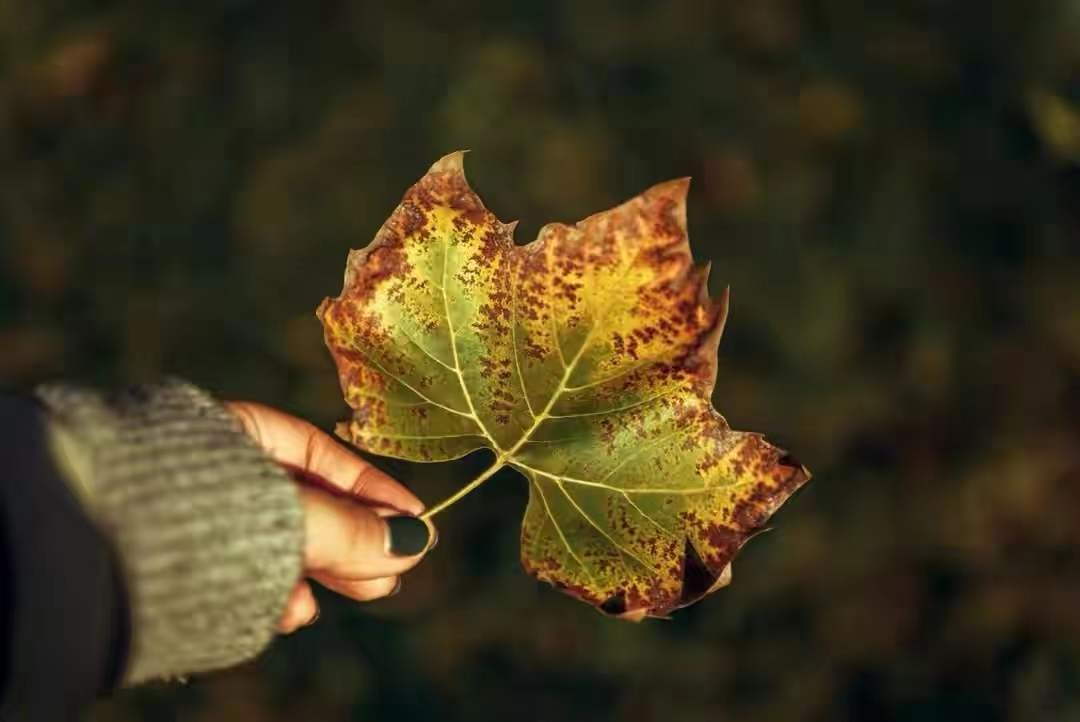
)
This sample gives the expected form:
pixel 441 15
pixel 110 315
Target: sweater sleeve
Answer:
pixel 208 531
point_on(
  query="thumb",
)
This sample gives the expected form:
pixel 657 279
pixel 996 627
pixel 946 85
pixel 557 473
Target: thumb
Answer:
pixel 349 540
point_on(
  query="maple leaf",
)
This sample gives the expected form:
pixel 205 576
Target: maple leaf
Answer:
pixel 585 360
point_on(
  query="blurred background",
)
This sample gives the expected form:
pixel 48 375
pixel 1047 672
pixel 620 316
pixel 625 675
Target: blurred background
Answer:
pixel 891 189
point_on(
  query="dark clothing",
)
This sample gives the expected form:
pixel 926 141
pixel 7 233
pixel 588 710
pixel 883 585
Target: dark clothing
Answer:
pixel 142 535
pixel 62 604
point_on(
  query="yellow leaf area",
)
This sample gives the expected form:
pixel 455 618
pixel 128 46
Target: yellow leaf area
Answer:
pixel 585 360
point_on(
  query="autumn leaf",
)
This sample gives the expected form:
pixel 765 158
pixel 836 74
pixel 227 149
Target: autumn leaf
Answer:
pixel 585 360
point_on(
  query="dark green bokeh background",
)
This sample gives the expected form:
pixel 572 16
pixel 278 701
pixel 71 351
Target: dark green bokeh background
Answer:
pixel 891 191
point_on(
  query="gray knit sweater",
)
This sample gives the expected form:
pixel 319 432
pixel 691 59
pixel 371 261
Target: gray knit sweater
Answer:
pixel 209 531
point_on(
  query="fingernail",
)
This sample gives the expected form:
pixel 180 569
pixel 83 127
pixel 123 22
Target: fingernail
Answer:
pixel 407 535
pixel 314 618
pixel 396 589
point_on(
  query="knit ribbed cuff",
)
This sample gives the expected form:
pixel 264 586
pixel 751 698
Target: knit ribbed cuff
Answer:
pixel 208 529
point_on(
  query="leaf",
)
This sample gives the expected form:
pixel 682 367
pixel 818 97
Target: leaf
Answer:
pixel 585 360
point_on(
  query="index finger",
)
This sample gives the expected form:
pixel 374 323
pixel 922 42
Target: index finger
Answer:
pixel 300 444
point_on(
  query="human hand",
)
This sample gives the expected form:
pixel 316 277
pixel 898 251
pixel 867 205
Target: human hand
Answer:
pixel 361 526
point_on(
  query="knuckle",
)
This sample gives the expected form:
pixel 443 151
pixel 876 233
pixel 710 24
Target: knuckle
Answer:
pixel 312 449
pixel 361 481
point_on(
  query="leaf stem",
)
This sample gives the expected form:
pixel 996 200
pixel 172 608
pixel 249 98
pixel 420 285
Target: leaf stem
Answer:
pixel 500 461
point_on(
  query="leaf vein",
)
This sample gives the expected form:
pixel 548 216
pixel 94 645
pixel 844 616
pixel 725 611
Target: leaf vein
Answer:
pixel 416 391
pixel 616 409
pixel 514 346
pixel 639 451
pixel 424 351
pixel 600 382
pixel 623 550
pixel 555 334
pixel 562 536
pixel 453 346
pixel 633 490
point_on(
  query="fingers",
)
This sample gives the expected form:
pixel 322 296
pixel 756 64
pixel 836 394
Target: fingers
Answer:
pixel 297 443
pixel 362 591
pixel 352 542
pixel 352 548
pixel 301 609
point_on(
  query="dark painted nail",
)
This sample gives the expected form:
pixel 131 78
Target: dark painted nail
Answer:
pixel 408 535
